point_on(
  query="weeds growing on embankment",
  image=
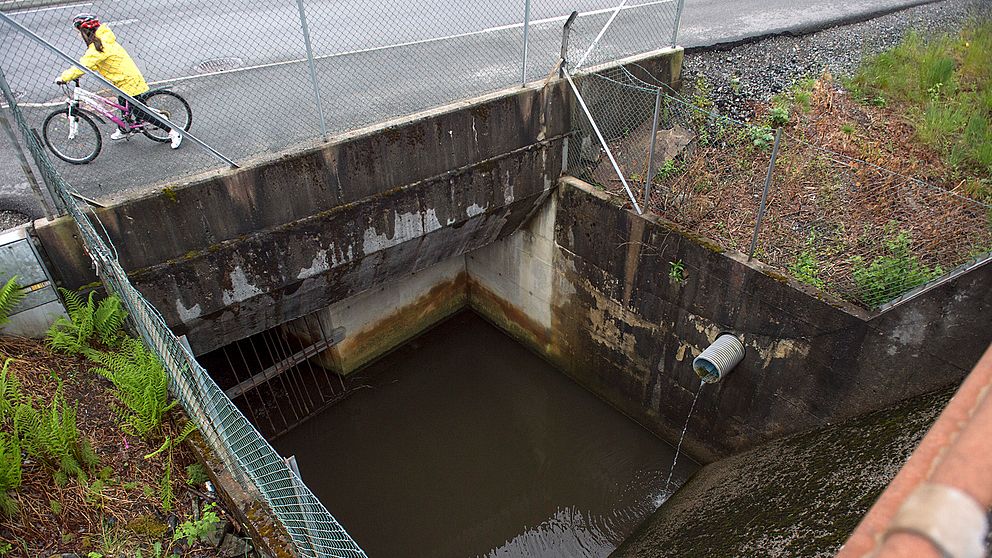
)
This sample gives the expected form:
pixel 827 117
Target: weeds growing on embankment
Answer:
pixel 882 183
pixel 944 88
pixel 91 453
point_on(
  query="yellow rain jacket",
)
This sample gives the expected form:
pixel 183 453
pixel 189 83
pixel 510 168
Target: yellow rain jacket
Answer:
pixel 113 63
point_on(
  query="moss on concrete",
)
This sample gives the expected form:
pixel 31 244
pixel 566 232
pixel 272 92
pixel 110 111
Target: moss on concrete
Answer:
pixel 799 496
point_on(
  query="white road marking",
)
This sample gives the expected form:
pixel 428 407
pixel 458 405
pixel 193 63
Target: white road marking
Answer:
pixel 372 49
pixel 411 43
pixel 34 10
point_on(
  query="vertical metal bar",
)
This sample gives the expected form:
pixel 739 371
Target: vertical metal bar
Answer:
pixel 327 377
pixel 764 194
pixel 565 31
pixel 186 135
pixel 324 336
pixel 25 167
pixel 523 69
pixel 678 22
pixel 654 136
pixel 602 142
pixel 313 69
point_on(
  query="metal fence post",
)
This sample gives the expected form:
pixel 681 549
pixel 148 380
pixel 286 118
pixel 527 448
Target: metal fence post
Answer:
pixel 678 22
pixel 764 194
pixel 25 167
pixel 654 136
pixel 313 69
pixel 523 69
pixel 566 29
pixel 12 103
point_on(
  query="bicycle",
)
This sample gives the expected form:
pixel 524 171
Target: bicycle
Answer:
pixel 72 135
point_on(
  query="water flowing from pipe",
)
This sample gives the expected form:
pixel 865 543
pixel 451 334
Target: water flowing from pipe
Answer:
pixel 682 437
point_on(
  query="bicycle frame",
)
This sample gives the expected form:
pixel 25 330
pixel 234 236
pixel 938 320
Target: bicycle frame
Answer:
pixel 101 106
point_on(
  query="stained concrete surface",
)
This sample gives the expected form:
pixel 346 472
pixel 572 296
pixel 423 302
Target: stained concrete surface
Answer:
pixel 798 496
pixel 463 443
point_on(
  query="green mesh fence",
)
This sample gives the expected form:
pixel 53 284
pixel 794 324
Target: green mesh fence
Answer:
pixel 866 234
pixel 254 462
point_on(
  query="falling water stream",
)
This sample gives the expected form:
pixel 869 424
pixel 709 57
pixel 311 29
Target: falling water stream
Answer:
pixel 678 448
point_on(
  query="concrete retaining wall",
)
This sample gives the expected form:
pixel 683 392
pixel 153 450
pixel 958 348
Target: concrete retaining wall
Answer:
pixel 610 316
pixel 239 252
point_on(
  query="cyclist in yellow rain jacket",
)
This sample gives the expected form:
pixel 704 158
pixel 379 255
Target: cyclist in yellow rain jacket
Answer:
pixel 106 56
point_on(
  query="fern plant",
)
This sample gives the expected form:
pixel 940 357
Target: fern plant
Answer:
pixel 87 320
pixel 51 435
pixel 11 295
pixel 165 492
pixel 141 385
pixel 10 392
pixel 10 472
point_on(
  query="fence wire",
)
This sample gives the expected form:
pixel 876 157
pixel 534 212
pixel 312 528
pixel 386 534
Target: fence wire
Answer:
pixel 245 69
pixel 844 226
pixel 230 435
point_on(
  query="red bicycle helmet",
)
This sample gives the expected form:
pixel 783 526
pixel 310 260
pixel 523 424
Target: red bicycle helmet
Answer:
pixel 86 21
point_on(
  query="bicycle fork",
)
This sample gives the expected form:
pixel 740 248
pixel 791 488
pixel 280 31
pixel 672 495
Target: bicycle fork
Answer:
pixel 73 120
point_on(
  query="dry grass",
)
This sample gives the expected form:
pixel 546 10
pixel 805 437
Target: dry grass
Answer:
pixel 833 205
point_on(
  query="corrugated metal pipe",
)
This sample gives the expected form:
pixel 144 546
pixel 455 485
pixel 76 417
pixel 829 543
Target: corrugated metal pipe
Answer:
pixel 714 363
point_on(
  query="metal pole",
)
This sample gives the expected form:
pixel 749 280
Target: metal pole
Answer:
pixel 25 167
pixel 654 136
pixel 15 110
pixel 565 31
pixel 523 70
pixel 313 69
pixel 602 31
pixel 24 30
pixel 602 141
pixel 764 194
pixel 678 22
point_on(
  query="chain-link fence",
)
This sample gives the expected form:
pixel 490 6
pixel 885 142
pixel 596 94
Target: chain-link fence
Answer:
pixel 230 435
pixel 267 76
pixel 845 226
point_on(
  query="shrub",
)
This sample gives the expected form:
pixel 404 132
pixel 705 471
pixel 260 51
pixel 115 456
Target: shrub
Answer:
pixel 51 435
pixel 806 267
pixel 778 116
pixel 891 274
pixel 198 529
pixel 10 392
pixel 10 472
pixel 73 335
pixel 141 385
pixel 11 295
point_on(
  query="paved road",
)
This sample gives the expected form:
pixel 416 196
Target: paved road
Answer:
pixel 373 63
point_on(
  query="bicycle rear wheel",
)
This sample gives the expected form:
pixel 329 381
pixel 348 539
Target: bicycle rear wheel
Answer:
pixel 172 107
pixel 75 140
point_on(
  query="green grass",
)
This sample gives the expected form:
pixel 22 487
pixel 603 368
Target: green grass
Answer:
pixel 944 86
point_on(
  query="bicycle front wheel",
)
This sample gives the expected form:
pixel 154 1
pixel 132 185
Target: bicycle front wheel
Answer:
pixel 171 106
pixel 74 139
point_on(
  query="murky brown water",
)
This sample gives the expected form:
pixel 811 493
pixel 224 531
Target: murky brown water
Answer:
pixel 466 444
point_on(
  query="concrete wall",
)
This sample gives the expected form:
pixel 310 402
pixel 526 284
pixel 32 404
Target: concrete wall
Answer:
pixel 384 317
pixel 242 251
pixel 611 317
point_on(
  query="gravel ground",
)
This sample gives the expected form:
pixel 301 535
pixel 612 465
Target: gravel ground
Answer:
pixel 763 68
pixel 10 219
